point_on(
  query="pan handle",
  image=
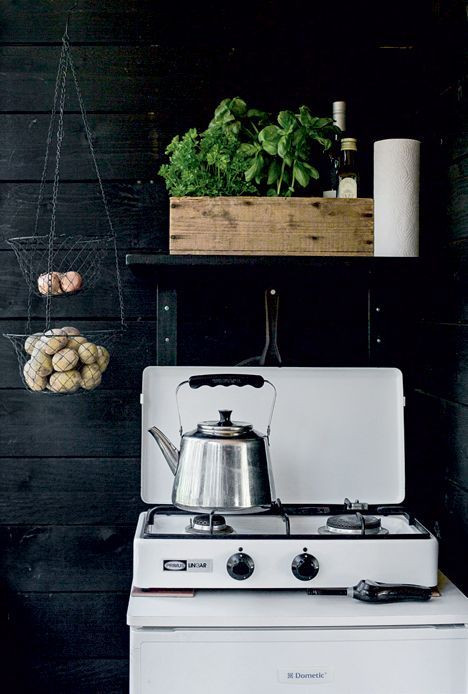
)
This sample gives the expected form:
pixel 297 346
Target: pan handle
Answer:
pixel 239 380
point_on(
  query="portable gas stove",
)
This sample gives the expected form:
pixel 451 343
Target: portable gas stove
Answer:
pixel 337 434
pixel 319 547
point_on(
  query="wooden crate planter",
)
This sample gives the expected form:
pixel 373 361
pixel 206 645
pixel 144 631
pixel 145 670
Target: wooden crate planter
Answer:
pixel 271 226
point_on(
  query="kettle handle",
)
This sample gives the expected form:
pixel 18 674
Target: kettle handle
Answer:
pixel 239 380
pixel 213 380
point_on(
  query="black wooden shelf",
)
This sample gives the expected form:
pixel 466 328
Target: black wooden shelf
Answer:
pixel 171 273
pixel 164 266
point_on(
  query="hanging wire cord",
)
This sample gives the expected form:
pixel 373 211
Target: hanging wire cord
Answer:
pixel 89 137
pixel 67 23
pixel 57 114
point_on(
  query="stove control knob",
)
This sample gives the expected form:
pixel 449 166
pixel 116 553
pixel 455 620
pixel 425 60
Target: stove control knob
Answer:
pixel 240 566
pixel 305 567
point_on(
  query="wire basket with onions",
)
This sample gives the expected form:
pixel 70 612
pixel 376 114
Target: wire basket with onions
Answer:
pixel 76 262
pixel 62 264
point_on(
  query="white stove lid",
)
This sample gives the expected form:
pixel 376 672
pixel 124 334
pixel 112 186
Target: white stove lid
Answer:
pixel 336 432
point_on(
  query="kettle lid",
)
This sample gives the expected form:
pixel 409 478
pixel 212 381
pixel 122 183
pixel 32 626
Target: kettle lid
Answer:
pixel 224 427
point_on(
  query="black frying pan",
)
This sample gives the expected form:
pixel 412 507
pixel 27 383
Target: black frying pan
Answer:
pixel 270 355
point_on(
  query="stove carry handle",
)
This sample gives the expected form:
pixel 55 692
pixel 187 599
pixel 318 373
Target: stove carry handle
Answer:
pixel 240 380
pixel 372 591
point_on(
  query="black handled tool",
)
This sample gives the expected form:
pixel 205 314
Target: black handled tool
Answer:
pixel 372 591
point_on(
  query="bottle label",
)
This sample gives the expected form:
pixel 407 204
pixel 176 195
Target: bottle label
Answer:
pixel 347 188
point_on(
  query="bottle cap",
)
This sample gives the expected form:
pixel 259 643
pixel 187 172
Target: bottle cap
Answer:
pixel 339 107
pixel 349 143
pixel 339 114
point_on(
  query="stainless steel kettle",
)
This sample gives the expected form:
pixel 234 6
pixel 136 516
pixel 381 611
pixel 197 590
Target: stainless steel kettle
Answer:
pixel 222 465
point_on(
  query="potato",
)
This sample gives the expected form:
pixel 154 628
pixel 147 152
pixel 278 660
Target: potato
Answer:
pixel 64 381
pixel 65 359
pixel 75 342
pixel 31 342
pixel 32 378
pixel 90 376
pixel 53 340
pixel 102 358
pixel 88 352
pixel 70 330
pixel 41 362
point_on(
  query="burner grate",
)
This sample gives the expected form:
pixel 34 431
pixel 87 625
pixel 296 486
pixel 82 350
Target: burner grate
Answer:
pixel 209 524
pixel 353 524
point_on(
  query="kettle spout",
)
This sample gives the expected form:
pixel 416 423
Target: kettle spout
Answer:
pixel 169 451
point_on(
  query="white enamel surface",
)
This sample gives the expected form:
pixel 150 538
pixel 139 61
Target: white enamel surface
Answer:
pixel 273 525
pixel 353 661
pixel 335 432
pixel 283 609
pixel 342 562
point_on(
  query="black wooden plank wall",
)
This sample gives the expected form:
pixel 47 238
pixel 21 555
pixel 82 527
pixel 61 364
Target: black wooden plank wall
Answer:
pixel 440 473
pixel 70 467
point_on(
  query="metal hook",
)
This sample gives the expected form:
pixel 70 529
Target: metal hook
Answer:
pixel 68 17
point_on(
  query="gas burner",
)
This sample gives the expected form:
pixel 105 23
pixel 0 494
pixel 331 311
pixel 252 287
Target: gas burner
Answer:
pixel 353 524
pixel 209 524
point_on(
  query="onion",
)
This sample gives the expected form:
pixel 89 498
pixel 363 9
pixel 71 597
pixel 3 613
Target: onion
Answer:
pixel 71 281
pixel 43 283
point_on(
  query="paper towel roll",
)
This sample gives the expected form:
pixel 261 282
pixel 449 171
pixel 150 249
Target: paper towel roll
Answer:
pixel 396 197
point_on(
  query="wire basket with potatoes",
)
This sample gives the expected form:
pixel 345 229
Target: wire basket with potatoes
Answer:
pixel 62 360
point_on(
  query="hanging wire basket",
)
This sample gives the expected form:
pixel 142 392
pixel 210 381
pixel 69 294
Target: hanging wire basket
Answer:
pixel 64 264
pixel 76 262
pixel 62 361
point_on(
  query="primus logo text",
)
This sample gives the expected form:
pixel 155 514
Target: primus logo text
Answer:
pixel 174 565
pixel 304 676
pixel 188 565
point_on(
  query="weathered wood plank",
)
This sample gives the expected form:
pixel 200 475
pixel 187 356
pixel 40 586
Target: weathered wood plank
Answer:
pixel 74 676
pixel 126 146
pixel 454 535
pixel 270 226
pixel 74 625
pixel 99 423
pixel 426 449
pixel 437 451
pixel 133 79
pixel 129 354
pixel 111 20
pixel 446 284
pixel 67 558
pixel 84 491
pixel 101 301
pixel 140 211
pixel 457 210
pixel 137 20
pixel 441 356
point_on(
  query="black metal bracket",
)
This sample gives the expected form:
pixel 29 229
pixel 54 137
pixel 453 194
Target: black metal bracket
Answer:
pixel 375 322
pixel 166 326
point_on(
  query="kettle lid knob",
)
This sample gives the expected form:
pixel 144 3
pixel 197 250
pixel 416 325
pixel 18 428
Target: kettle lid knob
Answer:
pixel 225 418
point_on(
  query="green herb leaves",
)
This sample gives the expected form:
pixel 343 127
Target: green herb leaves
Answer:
pixel 209 163
pixel 244 153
